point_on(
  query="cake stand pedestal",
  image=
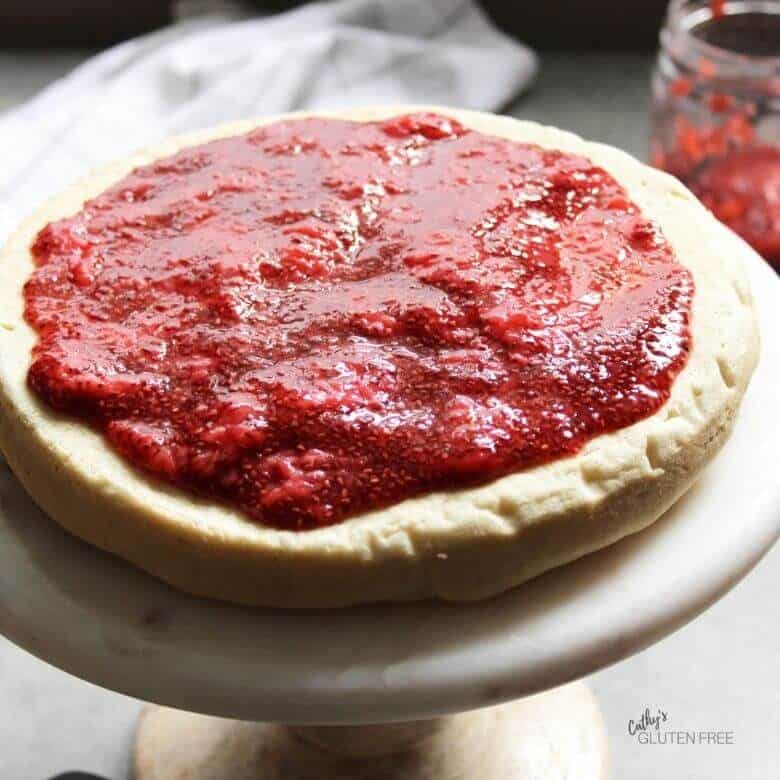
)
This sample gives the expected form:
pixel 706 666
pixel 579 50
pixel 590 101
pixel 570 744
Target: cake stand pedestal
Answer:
pixel 331 674
pixel 553 735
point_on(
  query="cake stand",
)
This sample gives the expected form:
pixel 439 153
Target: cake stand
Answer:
pixel 332 676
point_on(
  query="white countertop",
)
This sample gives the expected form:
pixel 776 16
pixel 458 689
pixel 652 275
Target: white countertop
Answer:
pixel 719 673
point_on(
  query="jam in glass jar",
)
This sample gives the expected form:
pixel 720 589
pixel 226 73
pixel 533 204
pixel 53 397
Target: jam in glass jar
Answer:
pixel 716 111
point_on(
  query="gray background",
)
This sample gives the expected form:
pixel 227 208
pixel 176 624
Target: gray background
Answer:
pixel 719 673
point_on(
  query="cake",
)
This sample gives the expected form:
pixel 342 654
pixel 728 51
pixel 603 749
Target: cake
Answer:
pixel 379 355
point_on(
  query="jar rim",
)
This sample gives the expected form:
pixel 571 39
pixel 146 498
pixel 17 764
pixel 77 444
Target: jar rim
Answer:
pixel 677 37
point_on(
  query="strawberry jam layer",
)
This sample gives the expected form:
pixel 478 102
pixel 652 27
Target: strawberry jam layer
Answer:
pixel 323 317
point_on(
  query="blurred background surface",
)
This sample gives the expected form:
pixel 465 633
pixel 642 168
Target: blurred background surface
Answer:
pixel 552 24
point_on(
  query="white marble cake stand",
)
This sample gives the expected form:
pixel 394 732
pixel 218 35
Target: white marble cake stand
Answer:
pixel 99 618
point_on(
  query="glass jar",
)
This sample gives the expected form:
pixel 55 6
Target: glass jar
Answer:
pixel 716 111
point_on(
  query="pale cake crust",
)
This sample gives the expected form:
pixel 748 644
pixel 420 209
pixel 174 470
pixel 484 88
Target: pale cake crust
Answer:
pixel 461 545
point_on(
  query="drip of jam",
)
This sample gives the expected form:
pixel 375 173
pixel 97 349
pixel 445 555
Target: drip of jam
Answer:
pixel 323 317
pixel 717 8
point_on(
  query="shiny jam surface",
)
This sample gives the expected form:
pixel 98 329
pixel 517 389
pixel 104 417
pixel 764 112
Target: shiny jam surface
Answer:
pixel 323 317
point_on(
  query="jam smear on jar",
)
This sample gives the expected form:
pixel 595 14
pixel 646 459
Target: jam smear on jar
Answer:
pixel 716 113
pixel 323 317
pixel 742 190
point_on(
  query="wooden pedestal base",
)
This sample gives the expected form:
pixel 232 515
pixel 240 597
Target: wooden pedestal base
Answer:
pixel 553 736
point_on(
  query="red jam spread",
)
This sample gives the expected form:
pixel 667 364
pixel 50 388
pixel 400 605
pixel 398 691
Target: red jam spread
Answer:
pixel 323 317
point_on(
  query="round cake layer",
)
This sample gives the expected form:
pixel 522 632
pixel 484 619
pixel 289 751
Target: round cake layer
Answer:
pixel 459 543
pixel 323 317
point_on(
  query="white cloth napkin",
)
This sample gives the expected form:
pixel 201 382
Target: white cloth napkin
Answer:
pixel 213 69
